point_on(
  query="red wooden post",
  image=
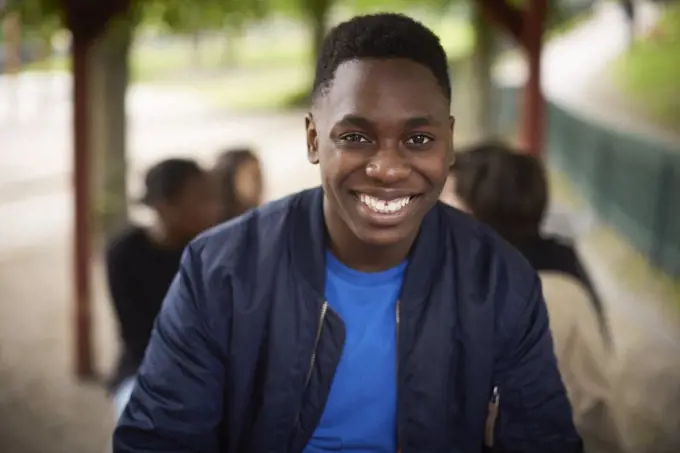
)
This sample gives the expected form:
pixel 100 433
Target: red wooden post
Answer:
pixel 82 252
pixel 533 114
pixel 526 27
pixel 86 20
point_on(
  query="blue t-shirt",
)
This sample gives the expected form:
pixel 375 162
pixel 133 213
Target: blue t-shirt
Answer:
pixel 361 412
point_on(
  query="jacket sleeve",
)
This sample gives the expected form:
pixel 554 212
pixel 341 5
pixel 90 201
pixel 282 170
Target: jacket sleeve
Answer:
pixel 534 413
pixel 127 300
pixel 176 406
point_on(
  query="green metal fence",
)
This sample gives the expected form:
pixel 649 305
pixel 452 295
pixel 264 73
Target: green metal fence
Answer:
pixel 633 183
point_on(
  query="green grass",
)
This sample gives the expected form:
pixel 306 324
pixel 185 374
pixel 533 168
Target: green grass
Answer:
pixel 51 64
pixel 278 76
pixel 650 72
pixel 256 90
pixel 251 52
pixel 568 25
pixel 265 73
pixel 150 64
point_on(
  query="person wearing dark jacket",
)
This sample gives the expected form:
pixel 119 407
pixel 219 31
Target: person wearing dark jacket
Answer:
pixel 141 262
pixel 363 315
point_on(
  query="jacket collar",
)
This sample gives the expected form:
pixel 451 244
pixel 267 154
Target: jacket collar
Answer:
pixel 309 245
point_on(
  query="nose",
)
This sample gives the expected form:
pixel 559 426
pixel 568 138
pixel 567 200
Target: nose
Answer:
pixel 388 167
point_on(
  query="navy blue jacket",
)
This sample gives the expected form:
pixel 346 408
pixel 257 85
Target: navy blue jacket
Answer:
pixel 245 347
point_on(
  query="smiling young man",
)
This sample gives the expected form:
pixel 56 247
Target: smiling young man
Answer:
pixel 361 316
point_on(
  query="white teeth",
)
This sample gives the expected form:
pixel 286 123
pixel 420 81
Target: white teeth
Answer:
pixel 384 206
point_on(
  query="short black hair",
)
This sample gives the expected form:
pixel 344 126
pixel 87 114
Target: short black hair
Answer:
pixel 504 188
pixel 165 180
pixel 380 36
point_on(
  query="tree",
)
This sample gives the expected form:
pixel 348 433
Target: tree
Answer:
pixel 33 12
pixel 187 18
pixel 483 55
pixel 629 10
pixel 35 20
pixel 196 18
pixel 315 13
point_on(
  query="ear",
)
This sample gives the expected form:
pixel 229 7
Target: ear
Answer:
pixel 451 154
pixel 312 140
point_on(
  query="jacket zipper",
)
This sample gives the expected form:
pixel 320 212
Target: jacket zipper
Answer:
pixel 492 417
pixel 398 316
pixel 319 329
pixel 312 360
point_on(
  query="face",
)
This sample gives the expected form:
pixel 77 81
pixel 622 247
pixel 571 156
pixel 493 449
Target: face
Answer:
pixel 248 183
pixel 194 210
pixel 382 136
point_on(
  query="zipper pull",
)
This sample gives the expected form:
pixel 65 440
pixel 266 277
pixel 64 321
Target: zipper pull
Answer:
pixel 495 396
pixel 491 417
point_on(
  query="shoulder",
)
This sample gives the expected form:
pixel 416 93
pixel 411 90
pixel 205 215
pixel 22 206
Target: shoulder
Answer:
pixel 125 244
pixel 559 246
pixel 574 323
pixel 229 246
pixel 223 265
pixel 493 275
pixel 565 296
pixel 559 283
pixel 489 262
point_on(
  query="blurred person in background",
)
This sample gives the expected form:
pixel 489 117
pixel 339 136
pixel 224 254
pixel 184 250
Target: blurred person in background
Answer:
pixel 141 262
pixel 509 192
pixel 360 315
pixel 238 174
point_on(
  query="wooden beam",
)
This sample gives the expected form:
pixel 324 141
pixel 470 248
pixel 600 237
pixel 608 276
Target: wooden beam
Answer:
pixel 526 27
pixel 86 20
pixel 82 251
pixel 533 113
pixel 508 17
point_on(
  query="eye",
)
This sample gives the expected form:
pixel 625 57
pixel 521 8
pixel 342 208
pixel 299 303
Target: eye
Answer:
pixel 419 139
pixel 354 138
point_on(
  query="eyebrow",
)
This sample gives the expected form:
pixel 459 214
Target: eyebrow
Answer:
pixel 362 122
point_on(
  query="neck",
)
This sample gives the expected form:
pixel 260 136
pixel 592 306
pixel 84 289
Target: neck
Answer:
pixel 369 258
pixel 163 237
pixel 360 256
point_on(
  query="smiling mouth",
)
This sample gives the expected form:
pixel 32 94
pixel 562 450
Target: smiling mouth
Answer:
pixel 392 207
